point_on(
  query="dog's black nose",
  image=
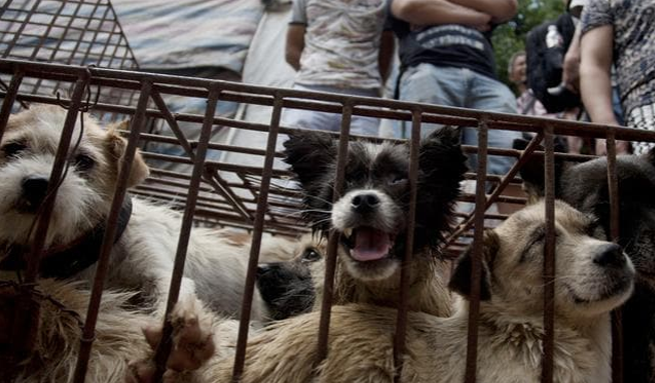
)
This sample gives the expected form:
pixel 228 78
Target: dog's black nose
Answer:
pixel 34 189
pixel 265 268
pixel 365 202
pixel 610 255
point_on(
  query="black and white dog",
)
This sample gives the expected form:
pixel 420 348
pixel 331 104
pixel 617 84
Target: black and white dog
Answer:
pixel 372 213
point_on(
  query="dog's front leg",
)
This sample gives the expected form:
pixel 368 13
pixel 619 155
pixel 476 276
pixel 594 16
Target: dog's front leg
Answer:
pixel 162 290
pixel 198 336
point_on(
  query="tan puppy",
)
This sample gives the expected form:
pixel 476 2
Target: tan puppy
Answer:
pixel 593 277
pixel 143 254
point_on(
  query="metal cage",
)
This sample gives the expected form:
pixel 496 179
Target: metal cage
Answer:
pixel 96 70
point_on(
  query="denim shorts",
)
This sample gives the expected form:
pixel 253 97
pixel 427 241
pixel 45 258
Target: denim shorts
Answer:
pixel 461 87
pixel 313 120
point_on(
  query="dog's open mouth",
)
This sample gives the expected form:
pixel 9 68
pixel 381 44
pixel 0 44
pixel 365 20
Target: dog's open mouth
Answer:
pixel 368 244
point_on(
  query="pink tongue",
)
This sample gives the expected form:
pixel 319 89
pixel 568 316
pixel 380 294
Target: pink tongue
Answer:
pixel 370 244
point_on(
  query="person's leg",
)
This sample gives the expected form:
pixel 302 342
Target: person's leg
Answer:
pixel 310 119
pixel 491 95
pixel 431 84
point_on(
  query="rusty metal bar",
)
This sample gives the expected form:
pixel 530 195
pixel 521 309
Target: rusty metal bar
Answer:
pixel 613 187
pixel 549 259
pixel 494 119
pixel 88 333
pixel 476 265
pixel 170 119
pixel 333 242
pixel 496 194
pixel 55 177
pixel 26 315
pixel 399 348
pixel 164 348
pixel 258 229
pixel 8 101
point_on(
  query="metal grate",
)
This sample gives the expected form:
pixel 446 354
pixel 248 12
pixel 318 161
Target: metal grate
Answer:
pixel 83 32
pixel 247 186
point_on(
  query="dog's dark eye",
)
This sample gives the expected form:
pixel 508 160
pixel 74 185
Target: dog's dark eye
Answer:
pixel 83 162
pixel 13 149
pixel 311 255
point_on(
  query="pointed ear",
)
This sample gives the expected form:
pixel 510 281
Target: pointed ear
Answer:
pixel 441 156
pixel 116 146
pixel 532 172
pixel 310 154
pixel 460 281
pixel 650 156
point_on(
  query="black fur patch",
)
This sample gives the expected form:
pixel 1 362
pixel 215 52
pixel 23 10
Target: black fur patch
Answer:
pixel 312 156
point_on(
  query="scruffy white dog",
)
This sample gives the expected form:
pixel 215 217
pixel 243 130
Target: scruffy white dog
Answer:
pixel 143 254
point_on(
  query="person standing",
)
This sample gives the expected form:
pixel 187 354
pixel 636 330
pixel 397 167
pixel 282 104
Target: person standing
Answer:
pixel 338 46
pixel 619 32
pixel 447 59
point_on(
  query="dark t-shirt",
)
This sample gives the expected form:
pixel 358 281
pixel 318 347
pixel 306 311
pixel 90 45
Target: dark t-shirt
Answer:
pixel 444 45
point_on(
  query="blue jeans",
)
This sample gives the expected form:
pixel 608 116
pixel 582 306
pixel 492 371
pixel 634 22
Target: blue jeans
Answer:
pixel 461 87
pixel 313 120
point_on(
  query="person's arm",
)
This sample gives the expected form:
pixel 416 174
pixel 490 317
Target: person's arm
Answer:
pixel 434 12
pixel 295 44
pixel 595 84
pixel 499 10
pixel 571 64
pixel 386 54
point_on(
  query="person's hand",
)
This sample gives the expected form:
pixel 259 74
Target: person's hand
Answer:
pixel 571 71
pixel 486 27
pixel 622 147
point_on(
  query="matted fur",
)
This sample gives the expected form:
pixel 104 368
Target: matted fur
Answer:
pixel 143 257
pixel 118 335
pixel 593 277
pixel 381 171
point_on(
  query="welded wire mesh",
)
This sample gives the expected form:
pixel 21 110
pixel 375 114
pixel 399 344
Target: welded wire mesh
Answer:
pixel 84 32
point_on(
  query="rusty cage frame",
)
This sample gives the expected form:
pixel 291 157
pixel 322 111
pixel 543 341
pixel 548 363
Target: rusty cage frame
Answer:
pixel 250 197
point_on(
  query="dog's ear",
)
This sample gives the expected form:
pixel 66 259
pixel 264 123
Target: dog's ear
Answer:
pixel 441 169
pixel 650 156
pixel 310 154
pixel 460 281
pixel 532 171
pixel 441 155
pixel 116 146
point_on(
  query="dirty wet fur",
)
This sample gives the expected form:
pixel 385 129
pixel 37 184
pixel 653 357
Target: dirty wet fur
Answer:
pixel 584 185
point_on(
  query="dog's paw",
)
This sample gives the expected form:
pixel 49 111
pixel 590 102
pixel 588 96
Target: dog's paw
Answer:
pixel 193 342
pixel 142 371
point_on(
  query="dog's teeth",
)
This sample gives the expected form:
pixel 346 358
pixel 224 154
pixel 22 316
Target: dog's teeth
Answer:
pixel 348 232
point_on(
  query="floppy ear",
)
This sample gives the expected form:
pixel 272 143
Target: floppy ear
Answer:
pixel 460 281
pixel 116 146
pixel 310 154
pixel 532 172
